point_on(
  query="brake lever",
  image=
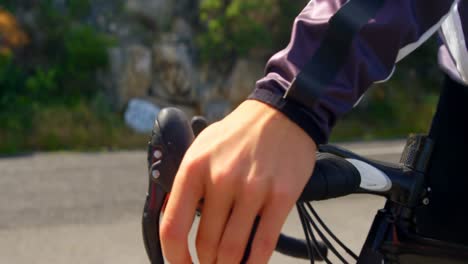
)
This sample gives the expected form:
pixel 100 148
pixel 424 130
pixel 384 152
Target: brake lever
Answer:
pixel 171 136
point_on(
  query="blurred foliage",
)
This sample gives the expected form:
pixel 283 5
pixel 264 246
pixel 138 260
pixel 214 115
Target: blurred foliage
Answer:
pixel 73 50
pixel 7 4
pixel 11 35
pixel 76 127
pixel 79 8
pixel 61 64
pixel 240 28
pixel 50 82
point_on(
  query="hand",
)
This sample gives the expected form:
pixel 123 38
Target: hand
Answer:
pixel 253 162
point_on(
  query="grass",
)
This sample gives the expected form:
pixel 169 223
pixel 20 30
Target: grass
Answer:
pixel 71 128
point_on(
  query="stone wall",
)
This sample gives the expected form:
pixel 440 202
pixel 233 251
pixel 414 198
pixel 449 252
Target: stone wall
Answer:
pixel 156 60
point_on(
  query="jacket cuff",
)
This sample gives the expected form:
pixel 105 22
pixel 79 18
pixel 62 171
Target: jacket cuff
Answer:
pixel 295 112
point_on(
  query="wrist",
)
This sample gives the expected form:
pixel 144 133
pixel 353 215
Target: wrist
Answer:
pixel 268 118
pixel 302 117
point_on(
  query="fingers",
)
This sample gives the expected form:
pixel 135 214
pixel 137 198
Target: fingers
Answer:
pixel 223 235
pixel 272 219
pixel 238 229
pixel 215 213
pixel 178 217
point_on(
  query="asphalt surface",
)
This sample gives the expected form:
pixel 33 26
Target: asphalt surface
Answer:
pixel 86 207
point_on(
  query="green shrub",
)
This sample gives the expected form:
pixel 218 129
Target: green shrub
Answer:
pixel 51 79
pixel 7 4
pixel 242 27
pixel 79 8
pixel 75 50
pixel 77 127
pixel 15 104
pixel 85 52
pixel 42 82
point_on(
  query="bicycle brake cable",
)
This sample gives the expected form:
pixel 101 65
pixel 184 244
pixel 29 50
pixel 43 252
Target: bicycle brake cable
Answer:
pixel 330 233
pixel 306 232
pixel 307 214
pixel 310 232
pixel 324 239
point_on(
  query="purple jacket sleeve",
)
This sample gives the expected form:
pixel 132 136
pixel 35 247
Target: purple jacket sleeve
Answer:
pixel 398 28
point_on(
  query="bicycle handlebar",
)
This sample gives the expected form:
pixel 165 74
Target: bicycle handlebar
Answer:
pixel 333 177
pixel 172 135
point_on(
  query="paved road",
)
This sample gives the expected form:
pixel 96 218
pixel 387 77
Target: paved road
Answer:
pixel 85 207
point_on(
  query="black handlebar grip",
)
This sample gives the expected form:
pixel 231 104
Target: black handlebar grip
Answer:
pixel 333 177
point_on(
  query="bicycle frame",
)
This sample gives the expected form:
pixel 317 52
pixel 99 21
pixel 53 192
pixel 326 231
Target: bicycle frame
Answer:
pixel 392 237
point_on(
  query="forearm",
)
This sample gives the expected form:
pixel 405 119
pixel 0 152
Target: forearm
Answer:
pixel 397 28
